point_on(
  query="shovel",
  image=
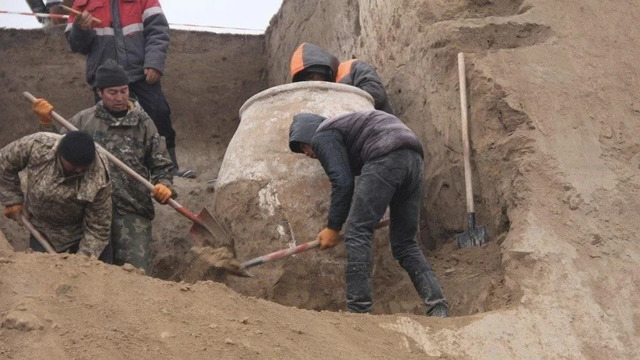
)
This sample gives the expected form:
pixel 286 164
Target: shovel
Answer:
pixel 475 235
pixel 203 223
pixel 294 250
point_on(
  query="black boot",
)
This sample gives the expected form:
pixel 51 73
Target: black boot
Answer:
pixel 359 287
pixel 190 174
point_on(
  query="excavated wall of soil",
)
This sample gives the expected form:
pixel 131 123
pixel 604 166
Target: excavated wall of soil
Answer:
pixel 554 122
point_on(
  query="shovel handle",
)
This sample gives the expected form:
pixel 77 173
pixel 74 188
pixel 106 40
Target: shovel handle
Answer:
pixel 36 234
pixel 466 149
pixel 174 204
pixel 294 250
pixel 78 13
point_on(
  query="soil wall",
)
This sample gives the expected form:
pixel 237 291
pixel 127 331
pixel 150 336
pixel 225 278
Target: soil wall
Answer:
pixel 552 106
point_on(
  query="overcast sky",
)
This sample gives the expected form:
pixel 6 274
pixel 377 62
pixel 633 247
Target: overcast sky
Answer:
pixel 251 14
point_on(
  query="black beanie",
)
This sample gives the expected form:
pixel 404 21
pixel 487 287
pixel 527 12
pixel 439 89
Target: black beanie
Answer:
pixel 77 147
pixel 111 74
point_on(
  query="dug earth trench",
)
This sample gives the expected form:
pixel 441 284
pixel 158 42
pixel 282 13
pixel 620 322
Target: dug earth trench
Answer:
pixel 554 118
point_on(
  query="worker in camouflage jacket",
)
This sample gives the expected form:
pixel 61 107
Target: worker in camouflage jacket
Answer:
pixel 311 62
pixel 387 156
pixel 121 126
pixel 68 196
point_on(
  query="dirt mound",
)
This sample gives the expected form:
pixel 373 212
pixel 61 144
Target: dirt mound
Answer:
pixel 554 124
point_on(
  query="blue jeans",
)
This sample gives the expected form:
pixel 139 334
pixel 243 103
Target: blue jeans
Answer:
pixel 393 180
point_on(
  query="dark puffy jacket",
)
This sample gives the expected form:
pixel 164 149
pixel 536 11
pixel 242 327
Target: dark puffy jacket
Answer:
pixel 134 33
pixel 363 76
pixel 343 145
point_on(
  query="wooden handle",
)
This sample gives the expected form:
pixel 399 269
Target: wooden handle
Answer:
pixel 174 204
pixel 78 13
pixel 36 234
pixel 466 150
pixel 294 250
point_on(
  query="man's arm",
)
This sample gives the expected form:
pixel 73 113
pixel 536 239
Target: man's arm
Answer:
pixel 366 78
pixel 157 158
pixel 97 223
pixel 332 153
pixel 13 158
pixel 156 34
pixel 79 32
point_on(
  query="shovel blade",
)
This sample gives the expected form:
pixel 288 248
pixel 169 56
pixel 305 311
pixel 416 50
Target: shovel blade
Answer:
pixel 208 231
pixel 473 237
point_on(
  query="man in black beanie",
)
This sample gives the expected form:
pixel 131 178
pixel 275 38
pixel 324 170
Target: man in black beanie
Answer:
pixel 69 193
pixel 120 125
pixel 135 34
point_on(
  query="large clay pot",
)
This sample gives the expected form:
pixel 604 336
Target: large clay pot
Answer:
pixel 270 198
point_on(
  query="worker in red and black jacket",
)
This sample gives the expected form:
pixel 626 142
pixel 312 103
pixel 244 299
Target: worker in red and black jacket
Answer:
pixel 135 34
pixel 311 62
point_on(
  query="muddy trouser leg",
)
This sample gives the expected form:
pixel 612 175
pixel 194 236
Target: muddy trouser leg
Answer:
pixel 131 240
pixel 405 210
pixel 370 199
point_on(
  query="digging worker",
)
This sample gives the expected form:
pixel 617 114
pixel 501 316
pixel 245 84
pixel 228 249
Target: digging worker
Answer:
pixel 120 125
pixel 68 195
pixel 311 62
pixel 387 157
pixel 134 33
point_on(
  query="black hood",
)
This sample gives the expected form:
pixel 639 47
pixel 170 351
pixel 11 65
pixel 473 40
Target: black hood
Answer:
pixel 309 55
pixel 302 129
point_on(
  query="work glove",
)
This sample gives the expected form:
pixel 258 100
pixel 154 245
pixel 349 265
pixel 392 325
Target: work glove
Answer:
pixel 152 75
pixel 161 193
pixel 328 238
pixel 43 109
pixel 13 212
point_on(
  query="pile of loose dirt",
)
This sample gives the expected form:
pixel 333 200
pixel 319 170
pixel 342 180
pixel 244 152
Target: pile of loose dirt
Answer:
pixel 554 124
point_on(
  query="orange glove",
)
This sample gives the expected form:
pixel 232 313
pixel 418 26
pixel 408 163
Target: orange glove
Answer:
pixel 13 212
pixel 328 238
pixel 43 109
pixel 161 193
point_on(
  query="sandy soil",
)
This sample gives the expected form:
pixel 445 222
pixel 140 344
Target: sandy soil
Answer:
pixel 554 111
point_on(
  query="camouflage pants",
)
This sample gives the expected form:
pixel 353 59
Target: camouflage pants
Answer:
pixel 131 240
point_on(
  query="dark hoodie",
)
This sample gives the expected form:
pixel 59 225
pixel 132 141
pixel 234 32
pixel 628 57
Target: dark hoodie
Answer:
pixel 309 55
pixel 343 144
pixel 352 72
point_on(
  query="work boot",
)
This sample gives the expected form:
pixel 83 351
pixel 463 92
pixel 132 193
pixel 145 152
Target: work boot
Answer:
pixel 189 174
pixel 439 310
pixel 359 287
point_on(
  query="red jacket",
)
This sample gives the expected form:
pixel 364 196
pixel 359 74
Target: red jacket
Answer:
pixel 134 33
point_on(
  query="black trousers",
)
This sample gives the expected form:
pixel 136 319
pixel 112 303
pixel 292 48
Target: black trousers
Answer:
pixel 106 255
pixel 393 180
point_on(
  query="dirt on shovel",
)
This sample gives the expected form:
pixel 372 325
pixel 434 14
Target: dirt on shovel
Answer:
pixel 212 263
